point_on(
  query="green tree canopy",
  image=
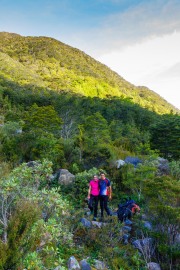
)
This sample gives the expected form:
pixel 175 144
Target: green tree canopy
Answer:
pixel 44 118
pixel 165 136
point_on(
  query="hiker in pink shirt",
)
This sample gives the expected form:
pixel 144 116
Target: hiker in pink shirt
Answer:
pixel 93 195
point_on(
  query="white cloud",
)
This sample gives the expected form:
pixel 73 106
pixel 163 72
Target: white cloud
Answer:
pixel 138 23
pixel 173 71
pixel 168 88
pixel 154 63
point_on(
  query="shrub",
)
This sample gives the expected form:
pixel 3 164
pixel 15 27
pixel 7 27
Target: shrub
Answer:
pixel 175 169
pixel 20 241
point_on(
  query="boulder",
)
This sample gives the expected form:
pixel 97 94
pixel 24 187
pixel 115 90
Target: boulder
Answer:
pixel 153 266
pixel 97 224
pixel 144 217
pixel 73 264
pixel 88 213
pixel 163 167
pixel 133 160
pixel 84 265
pixel 177 239
pixel 126 229
pixel 99 265
pixel 120 163
pixel 19 131
pixel 86 223
pixel 147 225
pixel 128 222
pixel 125 238
pixel 65 177
pixel 145 246
pixel 32 164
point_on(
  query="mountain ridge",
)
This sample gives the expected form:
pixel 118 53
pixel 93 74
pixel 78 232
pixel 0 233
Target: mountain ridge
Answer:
pixel 47 62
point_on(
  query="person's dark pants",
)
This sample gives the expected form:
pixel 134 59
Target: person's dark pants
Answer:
pixel 103 204
pixel 93 204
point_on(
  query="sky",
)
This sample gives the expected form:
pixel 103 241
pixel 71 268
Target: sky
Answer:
pixel 139 39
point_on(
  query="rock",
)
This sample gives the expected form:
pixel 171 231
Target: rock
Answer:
pixel 19 131
pixel 97 224
pixel 73 264
pixel 153 266
pixel 84 265
pixel 145 246
pixel 144 217
pixel 65 177
pixel 177 239
pixel 32 164
pixel 126 229
pixel 88 213
pixel 147 225
pixel 125 238
pixel 128 222
pixel 133 160
pixel 99 265
pixel 86 223
pixel 58 268
pixel 45 216
pixel 163 167
pixel 120 163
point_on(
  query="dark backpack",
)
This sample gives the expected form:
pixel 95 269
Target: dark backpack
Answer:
pixel 124 210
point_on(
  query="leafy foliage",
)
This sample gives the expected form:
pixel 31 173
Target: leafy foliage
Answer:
pixel 32 219
pixel 165 136
pixel 136 177
pixel 164 212
pixel 175 169
pixel 20 241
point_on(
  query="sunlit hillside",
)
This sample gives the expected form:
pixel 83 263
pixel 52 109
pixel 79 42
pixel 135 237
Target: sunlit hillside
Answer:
pixel 46 62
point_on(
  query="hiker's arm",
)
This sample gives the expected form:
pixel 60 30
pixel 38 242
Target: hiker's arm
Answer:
pixel 110 192
pixel 138 208
pixel 89 191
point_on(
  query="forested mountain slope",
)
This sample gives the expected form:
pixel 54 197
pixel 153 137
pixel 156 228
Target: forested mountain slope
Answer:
pixel 61 109
pixel 48 63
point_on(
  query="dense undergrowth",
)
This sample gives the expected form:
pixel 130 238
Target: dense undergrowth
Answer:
pixel 40 220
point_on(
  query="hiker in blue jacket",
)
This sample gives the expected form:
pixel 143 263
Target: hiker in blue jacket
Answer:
pixel 105 192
